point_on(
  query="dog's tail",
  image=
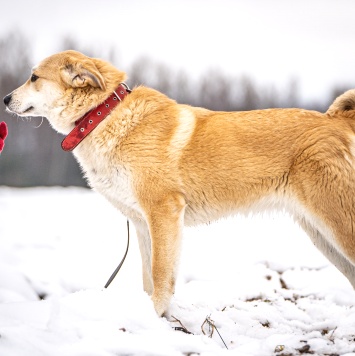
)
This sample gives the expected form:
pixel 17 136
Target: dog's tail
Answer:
pixel 344 102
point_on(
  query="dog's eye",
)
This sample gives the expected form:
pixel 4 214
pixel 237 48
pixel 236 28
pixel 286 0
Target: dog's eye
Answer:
pixel 34 77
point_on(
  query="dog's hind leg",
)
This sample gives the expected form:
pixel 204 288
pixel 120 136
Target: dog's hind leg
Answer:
pixel 329 251
pixel 327 193
pixel 165 217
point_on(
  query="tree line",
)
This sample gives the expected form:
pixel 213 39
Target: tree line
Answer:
pixel 33 156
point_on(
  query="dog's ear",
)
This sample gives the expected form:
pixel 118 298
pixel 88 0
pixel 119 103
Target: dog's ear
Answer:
pixel 79 75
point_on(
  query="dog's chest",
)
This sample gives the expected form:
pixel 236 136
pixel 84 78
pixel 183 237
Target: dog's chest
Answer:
pixel 112 181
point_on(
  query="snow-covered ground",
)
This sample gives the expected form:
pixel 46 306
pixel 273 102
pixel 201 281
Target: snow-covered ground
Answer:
pixel 258 280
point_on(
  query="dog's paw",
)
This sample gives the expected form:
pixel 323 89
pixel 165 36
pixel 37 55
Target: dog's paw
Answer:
pixel 160 304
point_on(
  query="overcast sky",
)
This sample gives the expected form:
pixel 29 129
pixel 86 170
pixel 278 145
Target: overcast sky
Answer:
pixel 273 41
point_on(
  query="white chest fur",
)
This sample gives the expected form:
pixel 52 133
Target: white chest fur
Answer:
pixel 112 181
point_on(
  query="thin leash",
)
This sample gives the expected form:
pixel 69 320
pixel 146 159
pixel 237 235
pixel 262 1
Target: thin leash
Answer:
pixel 121 263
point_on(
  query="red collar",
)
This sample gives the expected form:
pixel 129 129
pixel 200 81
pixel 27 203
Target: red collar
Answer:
pixel 90 120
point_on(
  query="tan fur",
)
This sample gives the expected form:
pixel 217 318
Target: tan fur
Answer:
pixel 164 165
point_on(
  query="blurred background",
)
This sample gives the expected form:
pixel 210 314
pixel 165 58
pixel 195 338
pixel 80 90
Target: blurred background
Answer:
pixel 220 54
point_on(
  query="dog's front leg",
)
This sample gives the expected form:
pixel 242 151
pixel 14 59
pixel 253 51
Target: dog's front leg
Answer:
pixel 165 217
pixel 146 254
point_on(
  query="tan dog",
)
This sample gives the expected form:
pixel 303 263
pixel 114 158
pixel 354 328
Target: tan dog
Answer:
pixel 163 164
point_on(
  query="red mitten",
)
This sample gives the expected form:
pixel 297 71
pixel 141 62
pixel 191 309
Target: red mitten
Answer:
pixel 3 134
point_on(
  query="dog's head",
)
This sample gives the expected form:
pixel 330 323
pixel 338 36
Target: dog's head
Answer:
pixel 63 87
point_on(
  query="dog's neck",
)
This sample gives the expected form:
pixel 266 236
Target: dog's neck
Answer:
pixel 92 119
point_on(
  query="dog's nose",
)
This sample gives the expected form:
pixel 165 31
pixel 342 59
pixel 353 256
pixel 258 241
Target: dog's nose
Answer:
pixel 7 99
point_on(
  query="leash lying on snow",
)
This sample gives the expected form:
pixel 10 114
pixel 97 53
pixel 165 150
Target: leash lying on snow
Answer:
pixel 121 263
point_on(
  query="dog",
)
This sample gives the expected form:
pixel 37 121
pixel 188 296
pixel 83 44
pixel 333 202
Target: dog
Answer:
pixel 164 164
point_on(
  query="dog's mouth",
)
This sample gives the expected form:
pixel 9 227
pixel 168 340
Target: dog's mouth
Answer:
pixel 27 110
pixel 23 113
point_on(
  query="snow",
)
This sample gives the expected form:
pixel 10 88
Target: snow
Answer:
pixel 258 279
